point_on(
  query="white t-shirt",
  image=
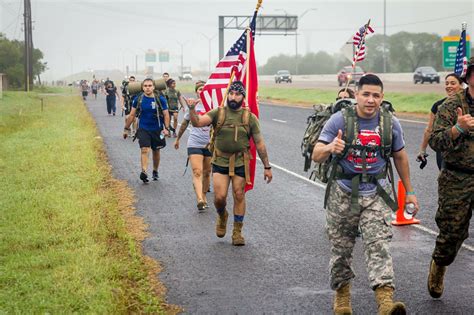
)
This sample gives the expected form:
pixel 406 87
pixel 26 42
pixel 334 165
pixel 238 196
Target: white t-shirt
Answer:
pixel 199 136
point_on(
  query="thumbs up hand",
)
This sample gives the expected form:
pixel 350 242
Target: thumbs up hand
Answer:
pixel 465 122
pixel 337 145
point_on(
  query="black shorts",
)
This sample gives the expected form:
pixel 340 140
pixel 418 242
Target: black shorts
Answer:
pixel 84 93
pixel 200 151
pixel 150 139
pixel 94 91
pixel 239 171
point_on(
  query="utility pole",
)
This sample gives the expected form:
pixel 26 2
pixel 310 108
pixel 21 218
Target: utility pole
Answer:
pixel 384 35
pixel 28 51
pixel 26 24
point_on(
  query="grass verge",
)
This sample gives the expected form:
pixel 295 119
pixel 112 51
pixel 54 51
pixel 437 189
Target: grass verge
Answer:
pixel 69 241
pixel 409 102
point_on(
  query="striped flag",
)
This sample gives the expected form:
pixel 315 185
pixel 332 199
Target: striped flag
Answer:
pixel 235 60
pixel 460 67
pixel 359 42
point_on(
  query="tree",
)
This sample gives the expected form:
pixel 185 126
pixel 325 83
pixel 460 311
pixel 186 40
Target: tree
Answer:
pixel 12 61
pixel 411 50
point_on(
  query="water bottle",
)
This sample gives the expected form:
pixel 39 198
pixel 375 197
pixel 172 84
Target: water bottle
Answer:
pixel 162 136
pixel 409 210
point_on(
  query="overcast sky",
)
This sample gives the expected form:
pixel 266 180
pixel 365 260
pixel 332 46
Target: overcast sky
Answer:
pixel 84 35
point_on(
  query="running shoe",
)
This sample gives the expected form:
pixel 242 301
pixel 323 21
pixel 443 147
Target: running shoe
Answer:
pixel 155 175
pixel 144 177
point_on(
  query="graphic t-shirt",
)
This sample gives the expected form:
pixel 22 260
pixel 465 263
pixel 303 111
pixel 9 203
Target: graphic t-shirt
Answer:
pixel 369 134
pixel 199 136
pixel 149 111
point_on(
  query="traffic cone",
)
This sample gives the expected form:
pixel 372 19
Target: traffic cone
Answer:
pixel 401 219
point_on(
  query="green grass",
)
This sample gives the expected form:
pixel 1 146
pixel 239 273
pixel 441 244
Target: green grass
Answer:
pixel 64 243
pixel 413 102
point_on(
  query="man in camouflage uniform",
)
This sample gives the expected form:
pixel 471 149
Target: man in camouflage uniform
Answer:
pixel 230 160
pixel 453 136
pixel 372 215
pixel 174 101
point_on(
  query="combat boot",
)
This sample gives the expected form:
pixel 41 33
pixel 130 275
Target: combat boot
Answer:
pixel 342 301
pixel 237 238
pixel 436 280
pixel 221 224
pixel 385 304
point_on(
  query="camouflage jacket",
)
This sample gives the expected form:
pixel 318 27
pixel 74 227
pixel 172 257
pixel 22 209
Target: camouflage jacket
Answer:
pixel 459 152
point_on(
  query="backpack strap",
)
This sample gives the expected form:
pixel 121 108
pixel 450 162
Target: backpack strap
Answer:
pixel 386 132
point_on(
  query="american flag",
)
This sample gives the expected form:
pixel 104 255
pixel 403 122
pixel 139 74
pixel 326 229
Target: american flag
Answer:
pixel 460 67
pixel 359 42
pixel 235 60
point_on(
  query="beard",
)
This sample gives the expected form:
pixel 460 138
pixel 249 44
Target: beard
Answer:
pixel 234 105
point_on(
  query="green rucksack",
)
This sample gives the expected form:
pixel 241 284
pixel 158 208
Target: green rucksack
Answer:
pixel 316 123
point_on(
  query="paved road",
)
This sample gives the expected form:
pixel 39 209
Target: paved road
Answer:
pixel 283 267
pixel 391 86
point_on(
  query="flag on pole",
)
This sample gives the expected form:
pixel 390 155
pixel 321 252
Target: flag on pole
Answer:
pixel 460 67
pixel 252 104
pixel 240 59
pixel 359 42
pixel 235 60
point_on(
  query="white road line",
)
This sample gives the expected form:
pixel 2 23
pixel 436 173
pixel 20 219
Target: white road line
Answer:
pixel 280 121
pixel 413 121
pixel 417 226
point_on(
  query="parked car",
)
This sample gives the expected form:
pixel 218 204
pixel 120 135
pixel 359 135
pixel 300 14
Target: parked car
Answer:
pixel 283 75
pixel 186 76
pixel 346 74
pixel 425 74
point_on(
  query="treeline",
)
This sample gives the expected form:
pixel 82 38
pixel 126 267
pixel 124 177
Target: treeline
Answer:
pixel 12 61
pixel 404 53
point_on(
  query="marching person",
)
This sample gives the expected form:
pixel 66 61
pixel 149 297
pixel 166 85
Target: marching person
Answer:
pixel 345 93
pixel 174 100
pixel 153 124
pixel 198 152
pixel 127 105
pixel 111 94
pixel 453 84
pixel 453 137
pixel 230 161
pixel 362 175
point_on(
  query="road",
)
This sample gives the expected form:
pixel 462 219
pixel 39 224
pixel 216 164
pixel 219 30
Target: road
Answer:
pixel 284 266
pixel 389 86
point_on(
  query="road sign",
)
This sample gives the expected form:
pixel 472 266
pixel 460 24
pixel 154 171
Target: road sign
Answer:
pixel 450 47
pixel 150 56
pixel 164 56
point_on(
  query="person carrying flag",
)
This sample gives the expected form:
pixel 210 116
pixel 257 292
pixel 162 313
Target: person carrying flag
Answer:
pixel 234 126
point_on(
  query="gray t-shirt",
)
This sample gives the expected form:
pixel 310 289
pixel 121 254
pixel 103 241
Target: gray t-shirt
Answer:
pixel 369 134
pixel 199 136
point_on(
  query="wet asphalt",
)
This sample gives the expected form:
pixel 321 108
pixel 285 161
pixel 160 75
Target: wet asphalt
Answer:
pixel 283 269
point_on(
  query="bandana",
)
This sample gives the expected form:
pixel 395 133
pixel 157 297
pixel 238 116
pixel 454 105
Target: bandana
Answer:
pixel 237 86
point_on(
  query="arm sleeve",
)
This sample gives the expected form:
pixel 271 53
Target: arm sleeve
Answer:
pixel 331 128
pixel 164 104
pixel 254 125
pixel 213 115
pixel 398 140
pixel 441 137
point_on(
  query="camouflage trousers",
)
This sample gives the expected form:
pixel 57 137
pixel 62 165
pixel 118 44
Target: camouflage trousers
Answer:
pixel 455 205
pixel 342 223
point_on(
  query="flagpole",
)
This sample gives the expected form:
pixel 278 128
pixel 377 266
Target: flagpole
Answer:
pixel 247 74
pixel 354 59
pixel 224 99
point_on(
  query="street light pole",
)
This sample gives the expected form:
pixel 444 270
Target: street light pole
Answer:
pixel 210 40
pixel 384 35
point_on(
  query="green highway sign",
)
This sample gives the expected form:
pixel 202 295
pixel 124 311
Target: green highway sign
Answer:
pixel 164 56
pixel 450 47
pixel 150 56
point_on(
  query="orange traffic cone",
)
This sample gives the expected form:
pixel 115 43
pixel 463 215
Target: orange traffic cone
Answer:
pixel 401 218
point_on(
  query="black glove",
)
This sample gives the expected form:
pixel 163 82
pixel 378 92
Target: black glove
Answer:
pixel 421 157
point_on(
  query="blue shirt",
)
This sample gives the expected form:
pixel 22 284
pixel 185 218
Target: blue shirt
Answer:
pixel 369 134
pixel 149 112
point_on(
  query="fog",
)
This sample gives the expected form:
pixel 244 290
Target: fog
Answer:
pixel 78 36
